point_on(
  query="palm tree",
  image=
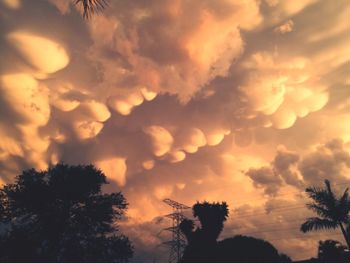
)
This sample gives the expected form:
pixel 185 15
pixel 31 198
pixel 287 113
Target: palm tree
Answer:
pixel 333 212
pixel 91 6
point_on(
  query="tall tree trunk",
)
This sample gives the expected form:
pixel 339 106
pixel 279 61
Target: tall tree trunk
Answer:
pixel 346 237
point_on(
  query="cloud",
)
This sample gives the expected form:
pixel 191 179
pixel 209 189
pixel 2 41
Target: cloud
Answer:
pixel 12 4
pixel 266 177
pixel 61 99
pixel 285 28
pixel 25 98
pixel 27 104
pixel 326 161
pixel 176 98
pixel 282 90
pixel 125 104
pixel 329 161
pixel 160 45
pixel 191 140
pixel 161 139
pixel 114 168
pixel 44 54
pixel 278 10
pixel 285 164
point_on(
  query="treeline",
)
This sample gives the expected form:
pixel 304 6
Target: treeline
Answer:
pixel 61 215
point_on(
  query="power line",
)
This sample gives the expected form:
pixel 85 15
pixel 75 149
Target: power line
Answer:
pixel 244 214
pixel 273 223
pixel 272 230
pixel 286 229
pixel 277 230
pixel 263 198
pixel 268 231
pixel 244 201
pixel 286 208
pixel 302 237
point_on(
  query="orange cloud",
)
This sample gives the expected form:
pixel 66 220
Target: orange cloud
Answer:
pixel 44 54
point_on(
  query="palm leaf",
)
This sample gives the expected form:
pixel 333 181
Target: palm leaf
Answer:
pixel 320 210
pixel 323 196
pixel 344 199
pixel 91 6
pixel 316 223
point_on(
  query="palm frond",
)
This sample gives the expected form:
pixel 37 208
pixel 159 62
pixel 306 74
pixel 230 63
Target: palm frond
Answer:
pixel 329 190
pixel 316 223
pixel 344 199
pixel 323 196
pixel 91 7
pixel 320 210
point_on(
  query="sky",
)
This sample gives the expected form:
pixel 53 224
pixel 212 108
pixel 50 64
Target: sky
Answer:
pixel 243 101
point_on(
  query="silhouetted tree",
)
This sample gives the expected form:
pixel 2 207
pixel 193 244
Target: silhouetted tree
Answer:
pixel 61 215
pixel 211 218
pixel 285 259
pixel 201 241
pixel 333 212
pixel 244 249
pixel 331 251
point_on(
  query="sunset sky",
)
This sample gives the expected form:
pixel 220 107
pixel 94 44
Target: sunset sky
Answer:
pixel 244 101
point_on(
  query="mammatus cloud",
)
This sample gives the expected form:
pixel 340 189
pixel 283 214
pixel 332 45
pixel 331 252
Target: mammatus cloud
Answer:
pixel 44 54
pixel 27 102
pixel 159 41
pixel 161 138
pixel 12 4
pixel 282 90
pixel 177 98
pixel 114 168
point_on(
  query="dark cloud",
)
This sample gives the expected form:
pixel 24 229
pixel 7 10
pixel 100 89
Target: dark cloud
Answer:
pixel 328 161
pixel 267 178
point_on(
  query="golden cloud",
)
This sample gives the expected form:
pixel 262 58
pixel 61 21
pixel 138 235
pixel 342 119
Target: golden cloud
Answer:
pixel 44 54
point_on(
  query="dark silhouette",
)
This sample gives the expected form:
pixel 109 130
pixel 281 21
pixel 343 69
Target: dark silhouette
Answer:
pixel 62 216
pixel 331 251
pixel 203 246
pixel 91 7
pixel 202 242
pixel 245 249
pixel 333 212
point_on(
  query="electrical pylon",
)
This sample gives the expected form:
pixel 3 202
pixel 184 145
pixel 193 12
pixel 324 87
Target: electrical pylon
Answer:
pixel 178 242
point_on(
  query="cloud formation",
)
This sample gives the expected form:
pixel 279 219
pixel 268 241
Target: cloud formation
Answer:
pixel 177 98
pixel 327 161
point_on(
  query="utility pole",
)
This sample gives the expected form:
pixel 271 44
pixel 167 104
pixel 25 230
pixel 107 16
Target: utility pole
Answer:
pixel 178 241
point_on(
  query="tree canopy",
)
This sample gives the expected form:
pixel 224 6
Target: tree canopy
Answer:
pixel 62 215
pixel 332 211
pixel 330 251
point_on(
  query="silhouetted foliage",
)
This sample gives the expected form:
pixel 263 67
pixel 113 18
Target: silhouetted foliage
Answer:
pixel 61 215
pixel 211 217
pixel 201 241
pixel 333 212
pixel 245 249
pixel 203 246
pixel 285 259
pixel 331 251
pixel 91 6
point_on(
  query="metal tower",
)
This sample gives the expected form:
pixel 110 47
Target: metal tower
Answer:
pixel 178 242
